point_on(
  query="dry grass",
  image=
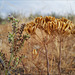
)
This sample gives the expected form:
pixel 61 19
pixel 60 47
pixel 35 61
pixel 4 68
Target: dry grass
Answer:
pixel 36 63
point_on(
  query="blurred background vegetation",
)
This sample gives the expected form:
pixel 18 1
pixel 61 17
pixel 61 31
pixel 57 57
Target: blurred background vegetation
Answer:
pixel 32 16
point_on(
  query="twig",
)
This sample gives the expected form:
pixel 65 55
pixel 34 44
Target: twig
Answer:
pixel 47 60
pixel 59 63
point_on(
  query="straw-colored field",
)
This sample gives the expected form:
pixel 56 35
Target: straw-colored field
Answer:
pixel 35 63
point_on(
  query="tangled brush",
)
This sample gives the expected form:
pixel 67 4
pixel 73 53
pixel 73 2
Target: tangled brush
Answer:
pixel 54 29
pixel 51 25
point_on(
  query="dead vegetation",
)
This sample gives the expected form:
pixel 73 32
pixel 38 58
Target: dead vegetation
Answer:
pixel 50 49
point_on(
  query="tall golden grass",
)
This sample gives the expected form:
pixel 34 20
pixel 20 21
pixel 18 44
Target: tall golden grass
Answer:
pixel 46 52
